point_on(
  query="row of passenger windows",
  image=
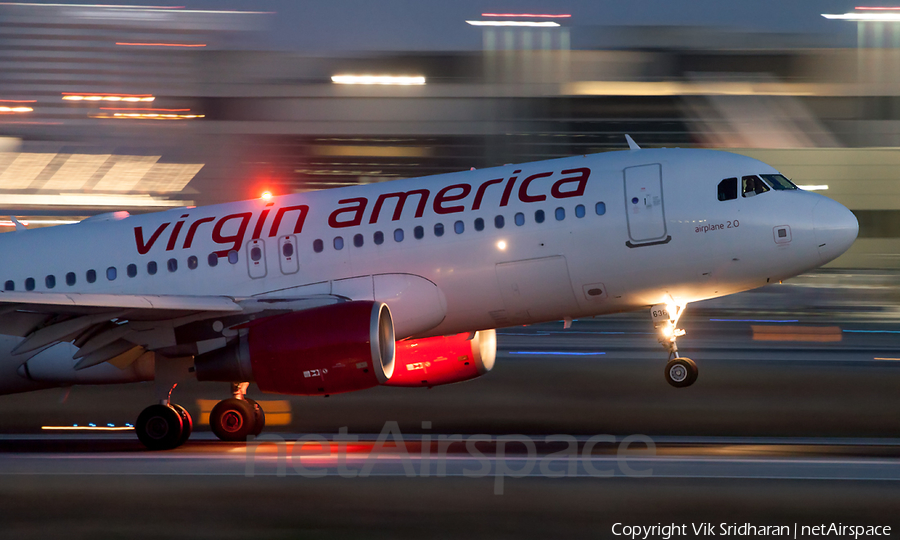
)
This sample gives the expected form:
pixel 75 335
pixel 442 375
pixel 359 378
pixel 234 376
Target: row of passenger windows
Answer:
pixel 753 185
pixel 287 249
pixel 131 271
pixel 459 227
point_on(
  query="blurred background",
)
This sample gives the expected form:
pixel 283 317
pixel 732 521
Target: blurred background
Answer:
pixel 143 108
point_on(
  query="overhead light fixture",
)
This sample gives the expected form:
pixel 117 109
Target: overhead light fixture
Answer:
pixel 4 109
pixel 538 24
pixel 529 15
pixel 400 80
pixel 149 116
pixel 863 16
pixel 816 187
pixel 107 97
pixel 161 44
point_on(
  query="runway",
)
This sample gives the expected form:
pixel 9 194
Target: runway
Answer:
pixel 107 487
pixel 469 456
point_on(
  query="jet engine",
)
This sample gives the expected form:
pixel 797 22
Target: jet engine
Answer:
pixel 443 360
pixel 326 350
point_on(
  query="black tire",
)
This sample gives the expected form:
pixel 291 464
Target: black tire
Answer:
pixel 681 372
pixel 160 427
pixel 260 417
pixel 187 423
pixel 232 419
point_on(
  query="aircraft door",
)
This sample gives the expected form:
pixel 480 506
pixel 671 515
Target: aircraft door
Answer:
pixel 287 254
pixel 256 258
pixel 644 205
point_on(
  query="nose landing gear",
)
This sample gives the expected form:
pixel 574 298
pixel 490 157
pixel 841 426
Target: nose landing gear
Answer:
pixel 680 371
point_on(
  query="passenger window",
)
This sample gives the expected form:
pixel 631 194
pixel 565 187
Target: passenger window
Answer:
pixel 539 216
pixel 255 254
pixel 287 250
pixel 29 284
pixel 728 189
pixel 398 235
pixel 560 214
pixel 600 208
pixel 753 186
pixel 520 219
pixel 338 243
pixel 111 273
pixel 419 232
pixel 459 227
pixel 439 229
pixel 152 267
pixel 358 240
pixel 9 286
pixel 479 224
pixel 91 276
pixel 379 238
pixel 233 257
pixel 172 265
pixel 212 260
pixel 579 211
pixel 131 270
pixel 192 262
pixel 70 279
pixel 318 246
pixel 499 222
pixel 50 281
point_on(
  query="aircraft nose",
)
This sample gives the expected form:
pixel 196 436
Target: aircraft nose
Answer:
pixel 836 228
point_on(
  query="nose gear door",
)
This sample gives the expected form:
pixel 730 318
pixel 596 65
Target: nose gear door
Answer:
pixel 644 206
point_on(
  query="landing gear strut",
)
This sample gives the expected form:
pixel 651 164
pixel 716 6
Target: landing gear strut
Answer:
pixel 680 371
pixel 236 418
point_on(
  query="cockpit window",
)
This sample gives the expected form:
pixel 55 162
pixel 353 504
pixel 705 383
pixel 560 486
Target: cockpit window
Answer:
pixel 728 189
pixel 778 182
pixel 753 186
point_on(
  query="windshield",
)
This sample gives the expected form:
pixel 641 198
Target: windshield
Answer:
pixel 778 182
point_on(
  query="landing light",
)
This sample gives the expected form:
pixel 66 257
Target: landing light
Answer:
pixel 501 245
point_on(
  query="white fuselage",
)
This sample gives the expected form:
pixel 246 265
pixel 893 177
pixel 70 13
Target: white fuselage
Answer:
pixel 663 235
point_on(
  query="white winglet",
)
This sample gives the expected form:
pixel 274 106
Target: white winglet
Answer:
pixel 631 144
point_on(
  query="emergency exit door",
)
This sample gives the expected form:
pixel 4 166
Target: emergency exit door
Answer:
pixel 256 258
pixel 644 205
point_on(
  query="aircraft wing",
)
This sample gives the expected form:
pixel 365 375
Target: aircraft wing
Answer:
pixel 119 328
pixel 119 301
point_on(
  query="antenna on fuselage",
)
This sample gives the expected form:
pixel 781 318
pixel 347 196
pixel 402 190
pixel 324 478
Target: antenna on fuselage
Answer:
pixel 631 144
pixel 17 223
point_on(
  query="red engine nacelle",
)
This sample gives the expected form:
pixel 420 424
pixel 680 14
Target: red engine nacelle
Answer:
pixel 443 360
pixel 326 350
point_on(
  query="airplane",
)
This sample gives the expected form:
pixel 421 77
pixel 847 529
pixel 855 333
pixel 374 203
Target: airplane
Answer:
pixel 400 283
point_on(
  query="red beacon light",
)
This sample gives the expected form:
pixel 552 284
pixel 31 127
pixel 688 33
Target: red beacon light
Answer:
pixel 266 195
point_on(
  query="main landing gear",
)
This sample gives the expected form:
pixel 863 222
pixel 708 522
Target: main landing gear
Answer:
pixel 166 425
pixel 236 418
pixel 680 371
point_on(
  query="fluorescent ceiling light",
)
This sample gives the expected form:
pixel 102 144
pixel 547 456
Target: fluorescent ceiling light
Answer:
pixel 379 79
pixel 529 15
pixel 89 200
pixel 863 16
pixel 542 24
pixel 816 187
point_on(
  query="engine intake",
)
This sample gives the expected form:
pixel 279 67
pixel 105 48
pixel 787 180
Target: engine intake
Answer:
pixel 327 350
